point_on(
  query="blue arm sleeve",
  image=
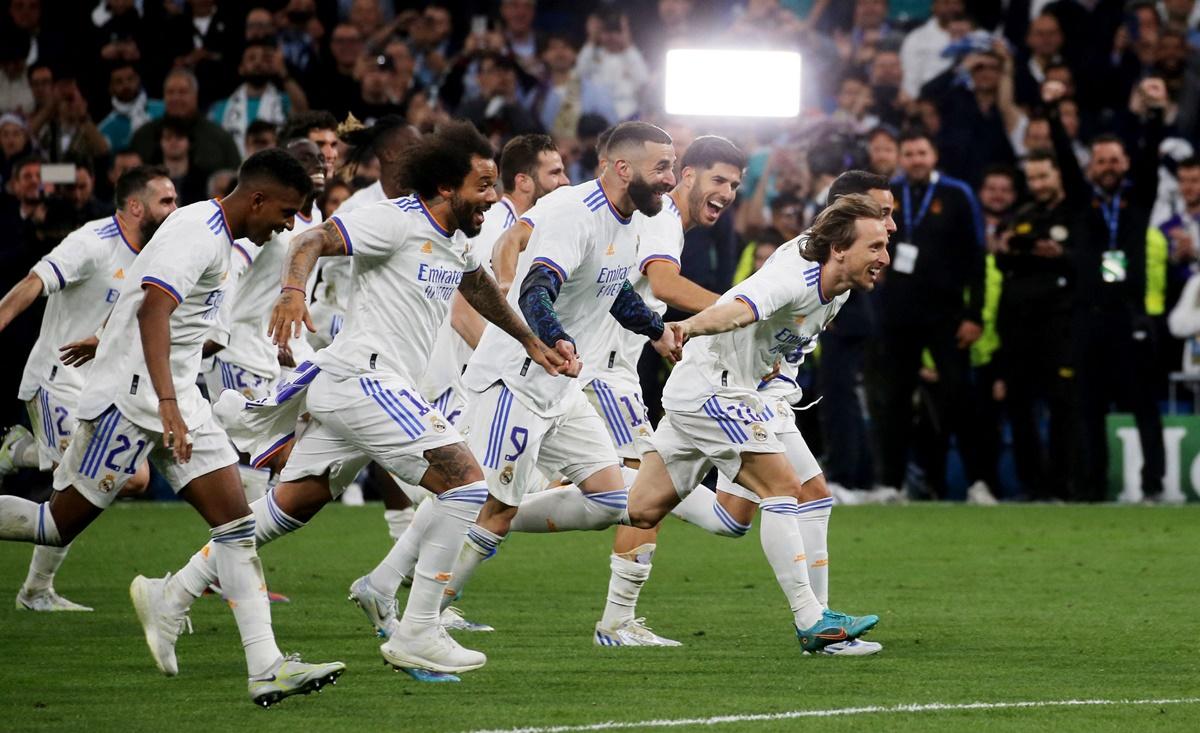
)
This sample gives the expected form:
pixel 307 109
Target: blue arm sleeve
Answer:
pixel 634 315
pixel 539 290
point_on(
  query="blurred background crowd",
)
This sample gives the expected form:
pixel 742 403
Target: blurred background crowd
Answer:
pixel 1042 156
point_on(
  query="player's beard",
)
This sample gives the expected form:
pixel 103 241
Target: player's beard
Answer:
pixel 646 198
pixel 147 229
pixel 464 214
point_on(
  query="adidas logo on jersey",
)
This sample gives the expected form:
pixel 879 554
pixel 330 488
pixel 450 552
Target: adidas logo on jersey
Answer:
pixel 427 248
pixel 610 251
pixel 119 274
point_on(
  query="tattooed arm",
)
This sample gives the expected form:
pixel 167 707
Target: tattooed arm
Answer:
pixel 481 293
pixel 290 312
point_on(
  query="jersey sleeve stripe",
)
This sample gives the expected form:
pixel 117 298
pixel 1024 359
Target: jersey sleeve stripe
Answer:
pixel 750 303
pixel 242 251
pixel 552 266
pixel 658 258
pixel 345 235
pixel 526 221
pixel 166 288
pixel 62 281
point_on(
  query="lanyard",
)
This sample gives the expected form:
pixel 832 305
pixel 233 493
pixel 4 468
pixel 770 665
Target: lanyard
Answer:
pixel 1111 211
pixel 909 224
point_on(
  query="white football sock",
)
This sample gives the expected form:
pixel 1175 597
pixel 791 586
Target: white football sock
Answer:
pixel 784 548
pixel 398 521
pixel 245 589
pixel 42 567
pixel 479 545
pixel 702 509
pixel 813 522
pixel 255 482
pixel 630 571
pixel 22 520
pixel 567 507
pixel 24 452
pixel 400 561
pixel 270 523
pixel 452 513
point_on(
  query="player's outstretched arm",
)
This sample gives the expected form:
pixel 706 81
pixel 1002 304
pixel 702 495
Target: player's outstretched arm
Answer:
pixel 290 314
pixel 480 291
pixel 506 251
pixel 672 288
pixel 154 325
pixel 718 319
pixel 466 321
pixel 539 290
pixel 19 298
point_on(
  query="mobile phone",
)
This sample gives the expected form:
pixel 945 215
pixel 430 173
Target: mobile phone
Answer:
pixel 479 25
pixel 58 173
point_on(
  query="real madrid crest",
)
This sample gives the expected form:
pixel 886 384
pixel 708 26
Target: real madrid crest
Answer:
pixel 438 425
pixel 506 476
pixel 108 483
pixel 759 432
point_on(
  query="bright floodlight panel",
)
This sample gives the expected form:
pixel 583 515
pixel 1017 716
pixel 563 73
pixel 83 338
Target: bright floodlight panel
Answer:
pixel 733 83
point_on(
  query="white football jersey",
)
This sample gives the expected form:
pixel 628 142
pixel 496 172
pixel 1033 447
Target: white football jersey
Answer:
pixel 790 312
pixel 450 351
pixel 335 271
pixel 188 258
pixel 253 296
pixel 82 278
pixel 660 239
pixel 406 269
pixel 579 235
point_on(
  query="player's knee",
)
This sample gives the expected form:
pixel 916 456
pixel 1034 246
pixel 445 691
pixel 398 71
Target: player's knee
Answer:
pixel 496 517
pixel 813 489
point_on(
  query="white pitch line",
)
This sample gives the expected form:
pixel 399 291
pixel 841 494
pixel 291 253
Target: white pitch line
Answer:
pixel 834 712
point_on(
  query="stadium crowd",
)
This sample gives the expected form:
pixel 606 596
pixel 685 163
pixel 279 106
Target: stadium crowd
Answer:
pixel 1047 189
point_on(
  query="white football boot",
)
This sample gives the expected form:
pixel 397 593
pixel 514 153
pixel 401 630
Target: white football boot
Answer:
pixel 161 627
pixel 633 632
pixel 380 609
pixel 290 676
pixel 452 620
pixel 48 601
pixel 432 649
pixel 852 648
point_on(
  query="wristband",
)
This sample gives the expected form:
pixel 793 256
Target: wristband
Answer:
pixel 167 399
pixel 286 288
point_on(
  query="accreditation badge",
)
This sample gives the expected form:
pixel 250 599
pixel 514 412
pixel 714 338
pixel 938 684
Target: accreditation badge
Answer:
pixel 905 260
pixel 1113 266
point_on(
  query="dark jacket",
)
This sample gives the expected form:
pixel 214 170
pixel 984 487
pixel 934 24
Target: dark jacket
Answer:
pixel 947 281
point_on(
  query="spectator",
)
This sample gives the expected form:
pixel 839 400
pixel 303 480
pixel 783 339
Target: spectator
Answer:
pixel 122 161
pixel 983 111
pixel 1035 328
pixel 336 191
pixel 266 92
pixel 1114 339
pixel 41 85
pixel 83 196
pixel 497 111
pixel 675 26
pixel 611 61
pixel 869 33
pixel 1044 42
pixel 564 96
pixel 404 68
pixel 15 92
pixel 377 91
pixel 181 99
pixel 853 105
pixel 932 299
pixel 1182 229
pixel 888 102
pixel 921 52
pixel 47 43
pixel 67 128
pixel 431 44
pixel 22 215
pixel 14 144
pixel 336 84
pixel 191 181
pixel 260 135
pixel 131 107
pixel 883 151
pixel 299 37
pixel 220 184
pixel 320 127
pixel 519 36
pixel 206 39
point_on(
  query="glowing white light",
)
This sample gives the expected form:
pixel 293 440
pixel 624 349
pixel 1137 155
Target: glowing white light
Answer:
pixel 733 83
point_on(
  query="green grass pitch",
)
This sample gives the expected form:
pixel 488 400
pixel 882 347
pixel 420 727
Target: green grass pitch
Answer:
pixel 1014 603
